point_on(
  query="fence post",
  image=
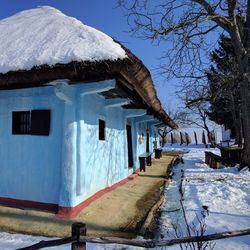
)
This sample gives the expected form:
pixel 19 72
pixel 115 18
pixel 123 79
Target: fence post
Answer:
pixel 78 229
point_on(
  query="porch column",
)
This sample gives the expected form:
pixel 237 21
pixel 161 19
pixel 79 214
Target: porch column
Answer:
pixel 67 95
pixel 69 157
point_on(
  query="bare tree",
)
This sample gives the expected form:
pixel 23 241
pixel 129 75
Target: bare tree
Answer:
pixel 204 141
pixel 163 131
pixel 185 23
pixel 196 115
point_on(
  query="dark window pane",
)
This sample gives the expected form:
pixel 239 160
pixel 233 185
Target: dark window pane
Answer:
pixel 20 122
pixel 40 122
pixel 101 130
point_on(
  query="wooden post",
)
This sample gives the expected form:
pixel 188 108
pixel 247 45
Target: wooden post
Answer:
pixel 78 229
pixel 142 164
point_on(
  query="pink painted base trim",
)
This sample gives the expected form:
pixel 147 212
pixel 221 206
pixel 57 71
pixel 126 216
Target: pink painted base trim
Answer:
pixel 137 170
pixel 70 212
pixel 28 204
pixel 64 212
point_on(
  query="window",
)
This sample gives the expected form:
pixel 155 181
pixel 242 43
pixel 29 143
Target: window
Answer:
pixel 40 122
pixel 21 122
pixel 34 122
pixel 101 130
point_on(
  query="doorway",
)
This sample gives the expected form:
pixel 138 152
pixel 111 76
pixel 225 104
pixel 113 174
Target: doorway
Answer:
pixel 130 147
pixel 147 141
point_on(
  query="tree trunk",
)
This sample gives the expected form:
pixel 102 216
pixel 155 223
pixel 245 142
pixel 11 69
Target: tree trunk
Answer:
pixel 208 133
pixel 237 123
pixel 235 110
pixel 243 55
pixel 245 105
pixel 238 130
pixel 237 134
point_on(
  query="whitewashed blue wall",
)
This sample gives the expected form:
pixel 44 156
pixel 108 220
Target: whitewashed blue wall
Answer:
pixel 71 163
pixel 30 165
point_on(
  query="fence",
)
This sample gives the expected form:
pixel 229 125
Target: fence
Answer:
pixel 78 239
pixel 213 160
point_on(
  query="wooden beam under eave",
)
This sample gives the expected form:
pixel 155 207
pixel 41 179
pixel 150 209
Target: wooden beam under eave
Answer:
pixel 115 102
pixel 131 113
pixel 97 87
pixel 154 122
pixel 145 118
pixel 161 124
pixel 63 90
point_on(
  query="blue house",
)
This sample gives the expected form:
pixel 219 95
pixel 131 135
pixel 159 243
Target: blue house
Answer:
pixel 76 111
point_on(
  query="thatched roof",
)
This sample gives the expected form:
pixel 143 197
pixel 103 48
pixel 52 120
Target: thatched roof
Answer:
pixel 134 79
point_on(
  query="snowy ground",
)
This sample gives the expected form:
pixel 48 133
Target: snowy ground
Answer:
pixel 225 192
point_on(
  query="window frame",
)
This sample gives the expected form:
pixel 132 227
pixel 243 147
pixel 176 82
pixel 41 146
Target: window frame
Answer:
pixel 21 122
pixel 32 125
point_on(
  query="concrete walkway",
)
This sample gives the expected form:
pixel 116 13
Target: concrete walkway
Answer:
pixel 119 212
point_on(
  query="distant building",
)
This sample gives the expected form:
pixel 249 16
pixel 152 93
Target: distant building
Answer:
pixel 227 139
pixel 76 110
pixel 226 134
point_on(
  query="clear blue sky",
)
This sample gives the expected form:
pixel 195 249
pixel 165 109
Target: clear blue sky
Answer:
pixel 102 15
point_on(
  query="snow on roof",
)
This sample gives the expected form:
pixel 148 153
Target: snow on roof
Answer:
pixel 45 35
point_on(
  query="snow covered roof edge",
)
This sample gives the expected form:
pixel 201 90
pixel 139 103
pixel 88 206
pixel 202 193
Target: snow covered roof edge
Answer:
pixel 46 36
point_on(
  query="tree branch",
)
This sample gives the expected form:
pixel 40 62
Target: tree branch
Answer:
pixel 220 20
pixel 204 32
